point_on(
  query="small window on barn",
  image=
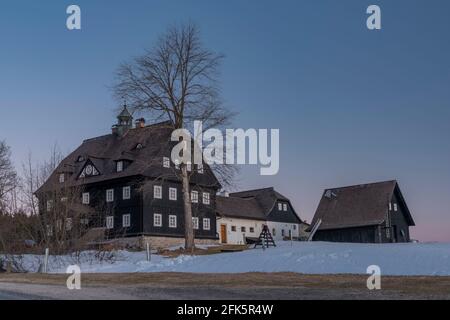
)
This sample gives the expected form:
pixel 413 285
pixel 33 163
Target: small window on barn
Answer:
pixel 172 221
pixel 119 166
pixel 110 195
pixel 294 227
pixel 206 224
pixel 274 233
pixel 173 194
pixel 157 192
pixel 243 229
pixel 194 196
pixel 86 198
pixel 80 159
pixel 252 230
pixel 280 206
pixel 126 220
pixel 126 193
pixel 284 206
pixel 157 220
pixel 195 223
pixel 233 228
pixel 62 178
pixel 282 232
pixel 395 207
pixel 206 198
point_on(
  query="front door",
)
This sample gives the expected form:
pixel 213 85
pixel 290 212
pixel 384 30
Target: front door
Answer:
pixel 223 233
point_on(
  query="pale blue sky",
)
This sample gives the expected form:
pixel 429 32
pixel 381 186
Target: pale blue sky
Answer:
pixel 353 105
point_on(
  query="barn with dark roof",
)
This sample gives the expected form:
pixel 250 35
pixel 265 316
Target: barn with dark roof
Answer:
pixel 366 213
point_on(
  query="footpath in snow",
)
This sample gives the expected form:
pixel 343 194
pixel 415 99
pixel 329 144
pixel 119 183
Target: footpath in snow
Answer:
pixel 302 257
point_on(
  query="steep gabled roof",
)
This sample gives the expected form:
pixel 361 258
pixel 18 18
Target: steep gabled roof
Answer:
pixel 359 205
pixel 105 151
pixel 266 197
pixel 234 207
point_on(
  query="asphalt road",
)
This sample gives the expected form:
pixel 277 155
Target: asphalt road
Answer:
pixel 252 286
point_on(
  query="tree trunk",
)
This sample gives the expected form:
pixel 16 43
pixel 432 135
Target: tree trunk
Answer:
pixel 188 229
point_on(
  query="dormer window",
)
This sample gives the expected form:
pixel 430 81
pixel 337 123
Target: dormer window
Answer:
pixel 119 166
pixel 80 159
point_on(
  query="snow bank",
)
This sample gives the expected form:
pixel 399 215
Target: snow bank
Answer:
pixel 301 257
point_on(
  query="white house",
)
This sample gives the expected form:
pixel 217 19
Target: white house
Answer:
pixel 242 215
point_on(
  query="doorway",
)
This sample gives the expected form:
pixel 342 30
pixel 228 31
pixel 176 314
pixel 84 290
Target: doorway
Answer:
pixel 223 233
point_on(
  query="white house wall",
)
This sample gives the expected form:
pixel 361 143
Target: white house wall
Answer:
pixel 279 227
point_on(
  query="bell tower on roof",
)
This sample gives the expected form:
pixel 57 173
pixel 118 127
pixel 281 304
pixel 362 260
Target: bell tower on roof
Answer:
pixel 124 122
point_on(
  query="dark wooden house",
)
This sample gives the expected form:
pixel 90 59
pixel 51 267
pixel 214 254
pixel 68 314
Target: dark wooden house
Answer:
pixel 128 180
pixel 367 213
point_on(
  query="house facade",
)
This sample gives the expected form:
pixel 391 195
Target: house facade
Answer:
pixel 367 213
pixel 242 215
pixel 131 188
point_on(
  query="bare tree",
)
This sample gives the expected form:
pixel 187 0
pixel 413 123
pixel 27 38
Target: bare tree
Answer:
pixel 177 81
pixel 8 176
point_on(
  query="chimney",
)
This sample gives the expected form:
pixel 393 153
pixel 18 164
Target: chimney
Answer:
pixel 140 123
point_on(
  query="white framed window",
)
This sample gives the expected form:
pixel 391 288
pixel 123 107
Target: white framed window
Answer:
pixel 284 206
pixel 109 222
pixel 173 194
pixel 119 166
pixel 172 221
pixel 126 220
pixel 157 192
pixel 395 207
pixel 200 169
pixel 126 193
pixel 194 196
pixel 62 178
pixel 166 162
pixel 189 166
pixel 206 224
pixel 206 198
pixel 280 206
pixel 195 223
pixel 157 220
pixel 49 205
pixel 110 195
pixel 69 224
pixel 86 198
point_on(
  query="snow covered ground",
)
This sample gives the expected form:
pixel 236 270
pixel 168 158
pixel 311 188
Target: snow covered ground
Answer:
pixel 301 257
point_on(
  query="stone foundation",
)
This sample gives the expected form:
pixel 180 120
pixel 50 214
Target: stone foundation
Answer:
pixel 157 243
